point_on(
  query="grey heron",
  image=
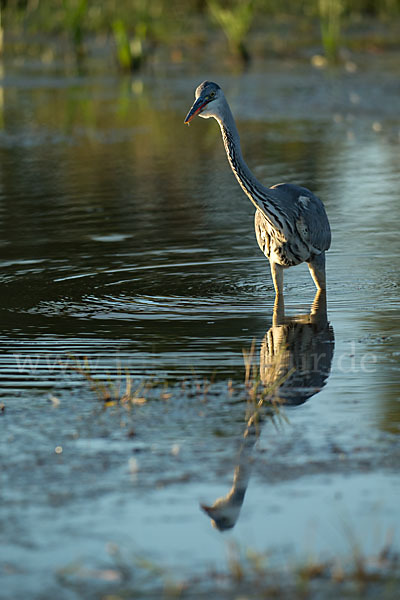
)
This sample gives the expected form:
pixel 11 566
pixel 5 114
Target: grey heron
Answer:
pixel 290 221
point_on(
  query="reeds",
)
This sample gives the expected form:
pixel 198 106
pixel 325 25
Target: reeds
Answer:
pixel 235 22
pixel 75 14
pixel 136 26
pixel 330 16
pixel 130 51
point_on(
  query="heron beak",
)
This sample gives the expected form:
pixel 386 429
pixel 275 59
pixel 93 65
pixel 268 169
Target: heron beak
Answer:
pixel 196 108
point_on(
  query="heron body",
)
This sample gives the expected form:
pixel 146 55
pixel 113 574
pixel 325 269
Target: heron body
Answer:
pixel 290 222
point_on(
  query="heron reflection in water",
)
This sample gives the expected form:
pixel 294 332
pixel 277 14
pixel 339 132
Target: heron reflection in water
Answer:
pixel 295 358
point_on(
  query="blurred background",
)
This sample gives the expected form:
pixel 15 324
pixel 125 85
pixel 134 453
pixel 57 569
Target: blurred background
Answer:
pixel 132 33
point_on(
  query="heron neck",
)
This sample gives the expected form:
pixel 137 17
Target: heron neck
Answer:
pixel 231 139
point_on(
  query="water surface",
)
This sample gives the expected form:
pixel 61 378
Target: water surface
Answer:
pixel 126 242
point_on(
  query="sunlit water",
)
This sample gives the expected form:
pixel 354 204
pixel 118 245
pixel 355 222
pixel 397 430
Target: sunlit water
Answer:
pixel 126 243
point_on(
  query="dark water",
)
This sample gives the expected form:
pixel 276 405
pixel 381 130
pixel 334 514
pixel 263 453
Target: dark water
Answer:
pixel 125 240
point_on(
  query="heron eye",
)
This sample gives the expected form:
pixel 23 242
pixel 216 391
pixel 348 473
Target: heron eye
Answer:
pixel 212 94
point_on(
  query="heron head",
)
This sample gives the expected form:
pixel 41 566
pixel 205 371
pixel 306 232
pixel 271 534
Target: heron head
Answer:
pixel 208 96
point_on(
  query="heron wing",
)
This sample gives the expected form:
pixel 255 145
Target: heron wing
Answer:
pixel 306 214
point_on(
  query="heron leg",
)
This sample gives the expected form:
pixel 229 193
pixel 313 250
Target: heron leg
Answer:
pixel 317 270
pixel 277 277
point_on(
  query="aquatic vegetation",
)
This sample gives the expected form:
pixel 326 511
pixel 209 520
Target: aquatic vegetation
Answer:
pixel 235 23
pixel 130 52
pixel 330 14
pixel 177 29
pixel 119 388
pixel 249 574
pixel 1 30
pixel 112 391
pixel 75 14
pixel 131 31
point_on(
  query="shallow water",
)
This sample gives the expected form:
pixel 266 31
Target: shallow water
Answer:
pixel 126 240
